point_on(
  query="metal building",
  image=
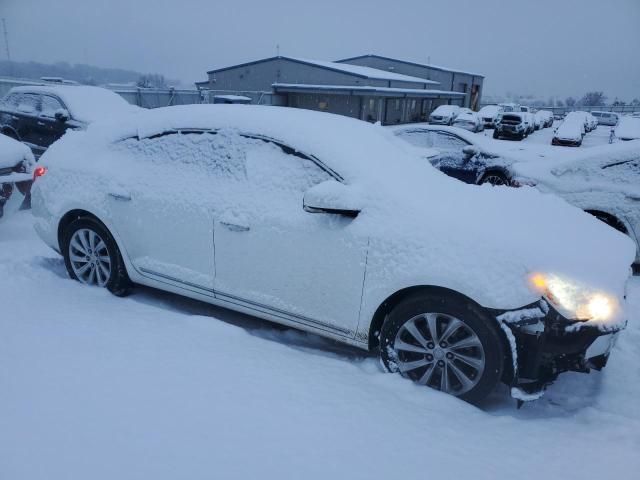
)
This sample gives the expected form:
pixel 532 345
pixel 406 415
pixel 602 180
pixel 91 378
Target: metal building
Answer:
pixel 448 79
pixel 358 91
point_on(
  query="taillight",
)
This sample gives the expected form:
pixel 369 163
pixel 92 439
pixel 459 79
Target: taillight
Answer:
pixel 39 172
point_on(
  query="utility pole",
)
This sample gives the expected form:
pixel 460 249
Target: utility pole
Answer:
pixel 6 39
pixel 278 50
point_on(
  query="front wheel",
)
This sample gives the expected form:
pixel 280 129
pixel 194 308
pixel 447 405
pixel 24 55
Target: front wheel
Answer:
pixel 93 258
pixel 496 179
pixel 443 343
pixel 496 135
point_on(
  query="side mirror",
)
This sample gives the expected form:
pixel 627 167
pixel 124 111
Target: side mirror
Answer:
pixel 332 196
pixel 470 151
pixel 61 115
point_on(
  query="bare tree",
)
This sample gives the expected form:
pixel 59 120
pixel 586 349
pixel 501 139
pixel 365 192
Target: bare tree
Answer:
pixel 570 102
pixel 593 99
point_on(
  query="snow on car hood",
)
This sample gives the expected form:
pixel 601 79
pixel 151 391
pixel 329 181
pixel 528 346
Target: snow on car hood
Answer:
pixel 12 152
pixel 481 241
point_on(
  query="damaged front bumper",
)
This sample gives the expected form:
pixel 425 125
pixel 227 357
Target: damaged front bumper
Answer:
pixel 545 344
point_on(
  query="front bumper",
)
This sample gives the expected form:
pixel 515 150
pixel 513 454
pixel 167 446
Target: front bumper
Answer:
pixel 544 345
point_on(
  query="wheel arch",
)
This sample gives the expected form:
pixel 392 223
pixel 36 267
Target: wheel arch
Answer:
pixel 394 299
pixel 11 132
pixel 72 215
pixel 610 219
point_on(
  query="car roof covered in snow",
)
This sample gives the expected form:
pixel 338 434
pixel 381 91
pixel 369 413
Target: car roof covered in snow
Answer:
pixel 85 103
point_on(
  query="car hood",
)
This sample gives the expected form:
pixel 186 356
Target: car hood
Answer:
pixel 486 241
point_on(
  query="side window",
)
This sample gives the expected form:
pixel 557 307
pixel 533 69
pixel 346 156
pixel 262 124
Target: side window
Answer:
pixel 49 106
pixel 281 170
pixel 446 141
pixel 10 102
pixel 418 138
pixel 28 103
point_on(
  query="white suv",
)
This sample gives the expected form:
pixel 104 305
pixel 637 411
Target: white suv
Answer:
pixel 335 226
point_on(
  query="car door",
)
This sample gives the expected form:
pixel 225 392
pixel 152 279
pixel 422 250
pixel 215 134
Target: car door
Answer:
pixel 160 198
pixel 52 128
pixel 452 160
pixel 274 257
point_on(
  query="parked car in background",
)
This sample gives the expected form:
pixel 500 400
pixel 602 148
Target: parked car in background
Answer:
pixel 444 115
pixel 39 115
pixel 345 238
pixel 489 115
pixel 628 128
pixel 509 107
pixel 606 118
pixel 545 118
pixel 16 163
pixel 569 133
pixel 469 121
pixel 513 125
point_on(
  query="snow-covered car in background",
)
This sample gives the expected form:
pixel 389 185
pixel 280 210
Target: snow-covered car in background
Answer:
pixel 582 117
pixel 569 133
pixel 489 115
pixel 603 180
pixel 469 121
pixel 16 163
pixel 513 125
pixel 544 118
pixel 335 226
pixel 39 115
pixel 628 128
pixel 444 115
pixel 606 118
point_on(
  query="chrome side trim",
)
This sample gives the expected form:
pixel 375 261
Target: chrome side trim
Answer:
pixel 258 307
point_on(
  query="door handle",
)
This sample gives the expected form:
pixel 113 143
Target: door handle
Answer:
pixel 234 227
pixel 123 197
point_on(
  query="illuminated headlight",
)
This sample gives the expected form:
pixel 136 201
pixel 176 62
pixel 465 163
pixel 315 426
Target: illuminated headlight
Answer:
pixel 573 300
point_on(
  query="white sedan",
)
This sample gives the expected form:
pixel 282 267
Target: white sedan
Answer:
pixel 335 226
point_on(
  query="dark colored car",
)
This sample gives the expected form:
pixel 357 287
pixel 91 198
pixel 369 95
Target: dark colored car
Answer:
pixel 511 125
pixel 39 115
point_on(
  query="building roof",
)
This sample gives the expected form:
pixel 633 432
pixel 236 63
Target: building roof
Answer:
pixel 367 90
pixel 355 70
pixel 415 64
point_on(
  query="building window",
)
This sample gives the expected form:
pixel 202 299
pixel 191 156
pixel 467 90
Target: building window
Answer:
pixel 462 87
pixel 397 104
pixel 413 104
pixel 372 104
pixel 323 105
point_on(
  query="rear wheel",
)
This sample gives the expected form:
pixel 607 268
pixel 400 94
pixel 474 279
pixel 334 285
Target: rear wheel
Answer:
pixel 443 343
pixel 496 179
pixel 93 258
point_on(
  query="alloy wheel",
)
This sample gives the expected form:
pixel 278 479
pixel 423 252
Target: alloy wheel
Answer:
pixel 89 257
pixel 441 352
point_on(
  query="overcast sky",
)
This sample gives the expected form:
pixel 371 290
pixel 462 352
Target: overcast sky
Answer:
pixel 542 47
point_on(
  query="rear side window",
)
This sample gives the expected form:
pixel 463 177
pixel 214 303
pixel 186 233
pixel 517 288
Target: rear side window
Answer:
pixel 10 102
pixel 50 105
pixel 446 141
pixel 28 103
pixel 419 138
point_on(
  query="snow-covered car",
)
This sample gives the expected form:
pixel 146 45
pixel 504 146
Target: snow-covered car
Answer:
pixel 39 115
pixel 606 118
pixel 603 180
pixel 569 133
pixel 514 125
pixel 544 118
pixel 469 121
pixel 628 128
pixel 444 115
pixel 16 163
pixel 489 115
pixel 584 118
pixel 337 227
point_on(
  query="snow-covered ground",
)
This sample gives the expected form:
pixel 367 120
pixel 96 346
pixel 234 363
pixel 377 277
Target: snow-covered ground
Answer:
pixel 155 386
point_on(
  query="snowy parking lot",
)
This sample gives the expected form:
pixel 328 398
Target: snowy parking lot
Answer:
pixel 158 386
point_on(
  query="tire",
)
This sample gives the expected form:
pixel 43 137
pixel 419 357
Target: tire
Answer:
pixel 496 179
pixel 496 135
pixel 408 347
pixel 103 265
